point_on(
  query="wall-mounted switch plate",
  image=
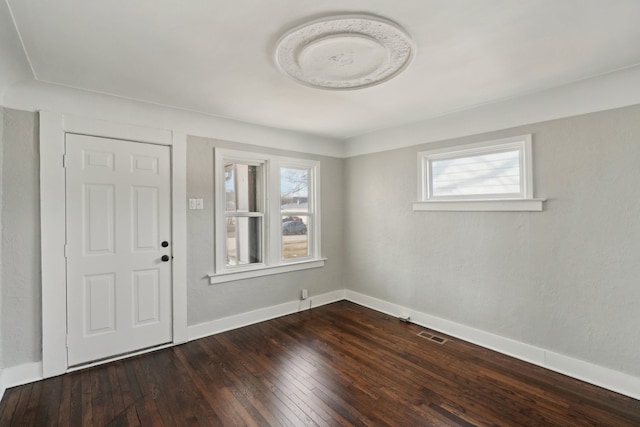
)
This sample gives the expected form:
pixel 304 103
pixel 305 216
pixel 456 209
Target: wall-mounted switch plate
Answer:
pixel 196 204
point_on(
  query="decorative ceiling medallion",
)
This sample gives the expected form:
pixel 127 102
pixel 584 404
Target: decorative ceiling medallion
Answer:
pixel 344 52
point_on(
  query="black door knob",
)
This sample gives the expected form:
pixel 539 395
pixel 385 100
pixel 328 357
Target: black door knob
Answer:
pixel 165 258
pixel 164 244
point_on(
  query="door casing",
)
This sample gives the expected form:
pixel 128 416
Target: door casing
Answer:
pixel 53 127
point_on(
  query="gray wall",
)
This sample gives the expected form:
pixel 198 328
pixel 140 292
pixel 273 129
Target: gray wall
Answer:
pixel 566 279
pixel 1 186
pixel 21 330
pixel 208 302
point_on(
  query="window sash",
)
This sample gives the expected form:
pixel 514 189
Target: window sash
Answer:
pixel 243 256
pixel 309 213
pixel 222 215
pixel 520 144
pixel 294 246
pixel 248 197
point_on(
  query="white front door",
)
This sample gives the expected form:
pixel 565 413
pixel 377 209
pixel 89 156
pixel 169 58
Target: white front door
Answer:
pixel 118 214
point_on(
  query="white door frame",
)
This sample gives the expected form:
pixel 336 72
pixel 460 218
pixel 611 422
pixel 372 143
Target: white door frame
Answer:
pixel 53 127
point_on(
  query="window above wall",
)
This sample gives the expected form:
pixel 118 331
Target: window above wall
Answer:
pixel 488 176
pixel 267 215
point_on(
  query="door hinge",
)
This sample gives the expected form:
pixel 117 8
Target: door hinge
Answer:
pixel 64 161
pixel 66 341
pixel 66 251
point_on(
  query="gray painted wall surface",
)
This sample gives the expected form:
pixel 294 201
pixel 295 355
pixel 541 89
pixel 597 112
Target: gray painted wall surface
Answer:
pixel 21 329
pixel 566 279
pixel 1 185
pixel 209 302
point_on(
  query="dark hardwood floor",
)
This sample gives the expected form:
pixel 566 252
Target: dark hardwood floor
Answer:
pixel 339 364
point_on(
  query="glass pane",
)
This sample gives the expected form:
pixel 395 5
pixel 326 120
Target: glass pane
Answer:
pixel 294 189
pixel 244 240
pixel 295 237
pixel 492 173
pixel 242 184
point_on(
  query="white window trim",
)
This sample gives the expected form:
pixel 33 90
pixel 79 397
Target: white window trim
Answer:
pixel 266 270
pixel 272 242
pixel 522 201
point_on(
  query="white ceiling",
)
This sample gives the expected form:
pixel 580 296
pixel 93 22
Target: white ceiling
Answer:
pixel 215 56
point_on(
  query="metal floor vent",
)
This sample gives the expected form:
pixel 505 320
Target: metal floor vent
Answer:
pixel 434 338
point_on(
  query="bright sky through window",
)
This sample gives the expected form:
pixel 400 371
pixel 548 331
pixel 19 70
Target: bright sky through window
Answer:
pixel 493 173
pixel 294 182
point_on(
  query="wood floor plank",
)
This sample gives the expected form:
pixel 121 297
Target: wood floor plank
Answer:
pixel 215 388
pixel 71 406
pixel 29 416
pixel 9 405
pixel 50 400
pixel 335 365
pixel 280 391
pixel 355 363
pixel 115 389
pixel 21 415
pixel 347 380
pixel 251 389
pixel 86 397
pixel 255 378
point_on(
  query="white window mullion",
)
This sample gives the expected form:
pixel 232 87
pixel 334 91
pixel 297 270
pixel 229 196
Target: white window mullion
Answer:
pixel 219 215
pixel 527 164
pixel 275 241
pixel 314 195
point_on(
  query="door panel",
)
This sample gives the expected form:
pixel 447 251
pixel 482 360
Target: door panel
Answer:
pixel 118 211
pixel 99 219
pixel 145 219
pixel 145 297
pixel 99 308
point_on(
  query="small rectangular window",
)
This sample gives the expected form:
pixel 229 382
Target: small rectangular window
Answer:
pixel 489 170
pixel 497 171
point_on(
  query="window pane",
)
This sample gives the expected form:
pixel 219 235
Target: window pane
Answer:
pixel 295 237
pixel 241 184
pixel 492 173
pixel 294 189
pixel 244 240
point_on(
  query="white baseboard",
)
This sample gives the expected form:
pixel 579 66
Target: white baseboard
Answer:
pixel 603 377
pixel 217 326
pixel 18 375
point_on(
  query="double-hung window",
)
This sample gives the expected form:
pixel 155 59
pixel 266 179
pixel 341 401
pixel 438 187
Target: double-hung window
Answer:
pixel 267 215
pixel 492 175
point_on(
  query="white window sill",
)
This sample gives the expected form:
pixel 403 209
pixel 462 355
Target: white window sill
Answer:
pixel 265 271
pixel 505 205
